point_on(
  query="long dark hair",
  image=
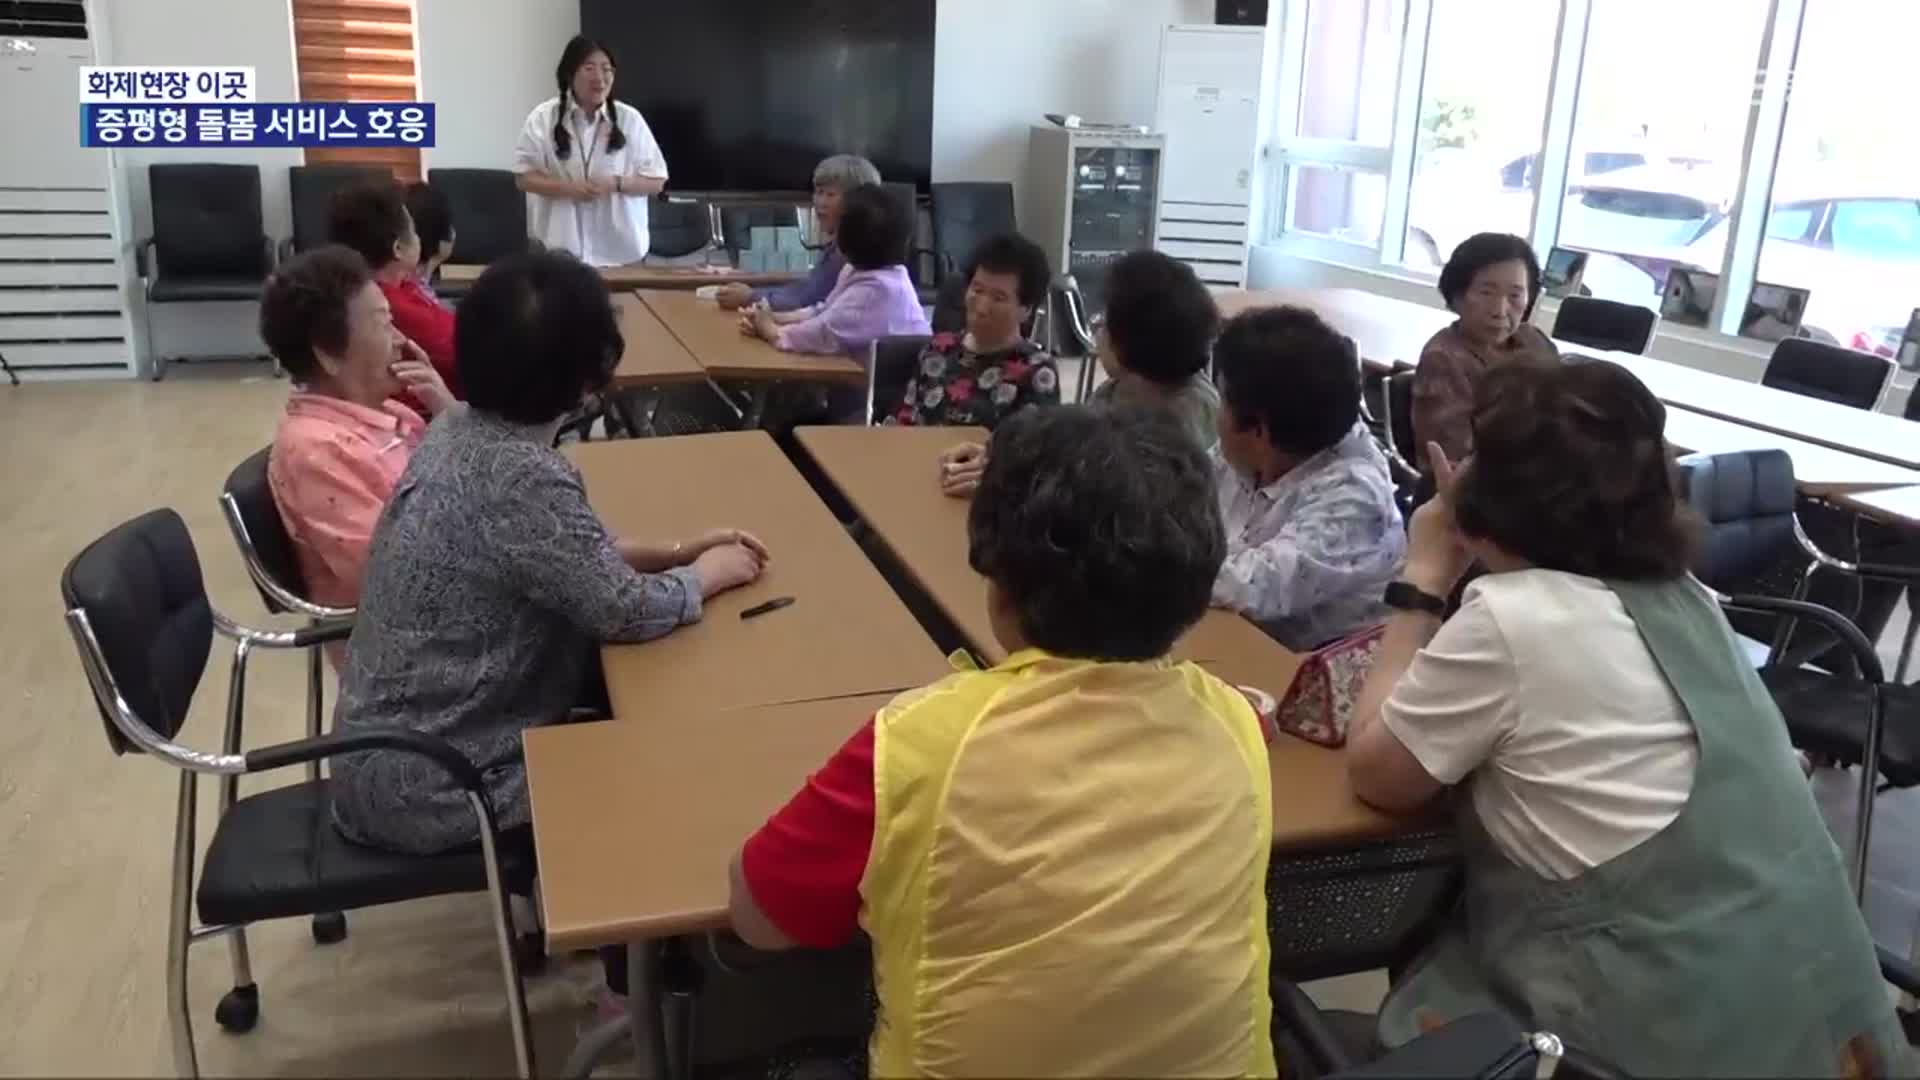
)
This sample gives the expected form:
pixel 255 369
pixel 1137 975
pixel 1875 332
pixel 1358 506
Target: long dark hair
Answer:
pixel 571 59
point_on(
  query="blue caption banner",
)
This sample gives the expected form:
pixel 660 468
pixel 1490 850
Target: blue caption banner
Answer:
pixel 260 123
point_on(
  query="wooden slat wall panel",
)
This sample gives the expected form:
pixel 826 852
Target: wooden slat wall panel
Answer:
pixel 358 50
pixel 105 272
pixel 76 200
pixel 56 248
pixel 55 224
pixel 18 301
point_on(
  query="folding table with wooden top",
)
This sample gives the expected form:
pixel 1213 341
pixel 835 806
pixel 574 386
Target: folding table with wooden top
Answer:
pixel 713 337
pixel 635 823
pixel 846 632
pixel 644 276
pixel 890 475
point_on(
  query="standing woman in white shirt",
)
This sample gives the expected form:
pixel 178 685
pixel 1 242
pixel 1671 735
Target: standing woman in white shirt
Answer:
pixel 589 163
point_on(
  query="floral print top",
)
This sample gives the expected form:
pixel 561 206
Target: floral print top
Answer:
pixel 957 386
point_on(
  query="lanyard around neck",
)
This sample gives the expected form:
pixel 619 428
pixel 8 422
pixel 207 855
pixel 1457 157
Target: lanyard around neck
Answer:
pixel 592 142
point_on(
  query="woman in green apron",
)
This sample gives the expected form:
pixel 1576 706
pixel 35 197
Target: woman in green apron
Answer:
pixel 1646 873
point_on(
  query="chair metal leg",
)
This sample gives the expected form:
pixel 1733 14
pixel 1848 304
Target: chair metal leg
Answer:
pixel 328 927
pixel 595 1044
pixel 504 940
pixel 646 996
pixel 179 931
pixel 1869 785
pixel 316 697
pixel 236 709
pixel 1906 646
pixel 682 978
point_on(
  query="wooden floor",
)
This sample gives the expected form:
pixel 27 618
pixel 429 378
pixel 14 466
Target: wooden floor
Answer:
pixel 84 836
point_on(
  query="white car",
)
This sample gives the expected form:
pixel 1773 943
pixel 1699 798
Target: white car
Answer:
pixel 1854 243
pixel 1458 192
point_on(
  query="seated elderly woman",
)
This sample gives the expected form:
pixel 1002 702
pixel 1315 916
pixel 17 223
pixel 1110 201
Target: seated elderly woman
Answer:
pixel 873 297
pixel 981 376
pixel 1022 927
pixel 1647 875
pixel 433 224
pixel 491 583
pixel 344 440
pixel 372 219
pixel 832 179
pixel 1313 533
pixel 1155 338
pixel 1153 342
pixel 1491 282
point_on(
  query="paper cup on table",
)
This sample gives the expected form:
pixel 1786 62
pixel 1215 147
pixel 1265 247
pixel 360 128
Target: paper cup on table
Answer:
pixel 1266 707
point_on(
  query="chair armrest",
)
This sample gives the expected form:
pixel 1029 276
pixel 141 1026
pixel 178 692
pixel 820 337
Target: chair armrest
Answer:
pixel 1480 1045
pixel 439 751
pixel 1839 625
pixel 1899 971
pixel 1295 1013
pixel 318 633
pixel 282 252
pixel 142 258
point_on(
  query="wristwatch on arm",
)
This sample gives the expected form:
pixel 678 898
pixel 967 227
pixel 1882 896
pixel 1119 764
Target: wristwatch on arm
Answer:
pixel 1405 596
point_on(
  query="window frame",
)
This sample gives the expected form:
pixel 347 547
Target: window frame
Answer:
pixel 1745 218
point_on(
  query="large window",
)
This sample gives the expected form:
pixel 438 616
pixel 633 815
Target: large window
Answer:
pixel 1477 153
pixel 1657 138
pixel 1846 195
pixel 1340 124
pixel 1763 141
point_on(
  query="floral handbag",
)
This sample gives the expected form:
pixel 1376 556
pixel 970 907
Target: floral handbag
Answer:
pixel 1319 704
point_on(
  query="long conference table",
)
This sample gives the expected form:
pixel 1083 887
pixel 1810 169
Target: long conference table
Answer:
pixel 649 275
pixel 1837 451
pixel 718 723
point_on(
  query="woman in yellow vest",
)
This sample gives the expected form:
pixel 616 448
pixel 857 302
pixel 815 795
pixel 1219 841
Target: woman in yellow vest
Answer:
pixel 1061 860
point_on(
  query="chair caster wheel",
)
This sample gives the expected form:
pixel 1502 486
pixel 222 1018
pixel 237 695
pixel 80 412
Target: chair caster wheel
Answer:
pixel 239 1010
pixel 532 952
pixel 329 928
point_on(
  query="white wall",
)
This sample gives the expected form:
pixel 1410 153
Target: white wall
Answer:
pixel 256 33
pixel 999 65
pixel 486 64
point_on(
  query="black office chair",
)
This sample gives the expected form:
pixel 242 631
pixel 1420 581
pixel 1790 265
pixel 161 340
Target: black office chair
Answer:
pixel 310 192
pixel 209 241
pixel 489 213
pixel 891 364
pixel 1396 424
pixel 267 552
pixel 1828 372
pixel 925 266
pixel 1605 324
pixel 677 226
pixel 1854 717
pixel 964 213
pixel 138 611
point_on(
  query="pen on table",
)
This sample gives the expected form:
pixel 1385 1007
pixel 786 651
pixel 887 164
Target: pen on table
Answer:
pixel 774 604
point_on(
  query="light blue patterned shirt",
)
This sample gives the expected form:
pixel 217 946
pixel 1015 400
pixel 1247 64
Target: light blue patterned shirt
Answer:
pixel 1309 555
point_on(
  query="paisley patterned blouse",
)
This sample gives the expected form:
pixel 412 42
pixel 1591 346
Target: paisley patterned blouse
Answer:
pixel 957 386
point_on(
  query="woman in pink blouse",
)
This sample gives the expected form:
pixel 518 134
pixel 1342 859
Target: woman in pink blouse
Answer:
pixel 344 440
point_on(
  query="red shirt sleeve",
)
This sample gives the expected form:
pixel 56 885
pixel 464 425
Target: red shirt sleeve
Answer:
pixel 430 326
pixel 804 865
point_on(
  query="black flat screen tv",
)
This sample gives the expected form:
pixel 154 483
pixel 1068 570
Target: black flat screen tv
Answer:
pixel 748 95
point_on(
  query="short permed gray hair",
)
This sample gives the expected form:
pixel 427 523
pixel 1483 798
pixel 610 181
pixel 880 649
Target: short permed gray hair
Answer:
pixel 845 171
